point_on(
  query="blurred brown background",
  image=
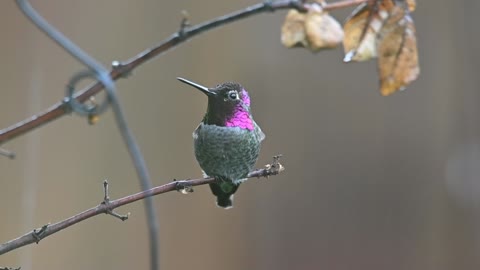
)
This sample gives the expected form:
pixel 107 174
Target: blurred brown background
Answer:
pixel 371 182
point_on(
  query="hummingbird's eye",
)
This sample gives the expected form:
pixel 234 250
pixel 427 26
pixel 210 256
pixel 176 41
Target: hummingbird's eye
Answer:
pixel 233 95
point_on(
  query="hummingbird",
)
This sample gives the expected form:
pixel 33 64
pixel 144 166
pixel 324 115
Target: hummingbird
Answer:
pixel 227 141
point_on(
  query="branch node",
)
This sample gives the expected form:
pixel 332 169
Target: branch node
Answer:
pixel 183 24
pixel 7 153
pixel 106 202
pixel 66 105
pixel 298 5
pixel 38 234
pixel 267 4
pixel 121 68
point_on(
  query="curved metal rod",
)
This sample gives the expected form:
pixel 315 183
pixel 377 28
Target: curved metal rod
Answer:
pixel 103 76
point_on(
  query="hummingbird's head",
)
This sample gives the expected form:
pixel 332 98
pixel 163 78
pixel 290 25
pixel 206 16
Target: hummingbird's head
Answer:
pixel 228 105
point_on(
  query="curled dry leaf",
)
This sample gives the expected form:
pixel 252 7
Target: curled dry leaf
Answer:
pixel 385 30
pixel 314 30
pixel 397 50
pixel 293 30
pixel 361 30
pixel 412 4
pixel 323 31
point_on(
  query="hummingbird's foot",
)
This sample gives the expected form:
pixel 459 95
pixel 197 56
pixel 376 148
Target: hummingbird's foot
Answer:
pixel 220 180
pixel 106 202
pixel 183 187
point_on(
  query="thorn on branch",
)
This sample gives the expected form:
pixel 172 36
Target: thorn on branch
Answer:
pixel 184 24
pixel 7 153
pixel 117 215
pixel 106 202
pixel 38 234
pixel 105 190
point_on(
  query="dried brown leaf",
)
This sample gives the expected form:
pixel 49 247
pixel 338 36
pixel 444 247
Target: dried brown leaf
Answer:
pixel 314 30
pixel 386 4
pixel 293 30
pixel 360 30
pixel 390 4
pixel 412 4
pixel 397 52
pixel 322 30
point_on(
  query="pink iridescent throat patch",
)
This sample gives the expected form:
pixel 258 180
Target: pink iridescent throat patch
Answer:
pixel 241 117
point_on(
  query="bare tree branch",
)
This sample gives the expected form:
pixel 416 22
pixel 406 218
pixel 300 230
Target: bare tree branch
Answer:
pixel 107 206
pixel 122 69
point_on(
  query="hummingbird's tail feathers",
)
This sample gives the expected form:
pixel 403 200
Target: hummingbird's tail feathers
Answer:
pixel 225 202
pixel 224 198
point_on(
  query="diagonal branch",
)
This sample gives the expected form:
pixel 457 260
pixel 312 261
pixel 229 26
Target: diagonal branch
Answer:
pixel 123 69
pixel 106 208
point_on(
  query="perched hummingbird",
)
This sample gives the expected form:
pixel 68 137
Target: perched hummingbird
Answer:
pixel 227 141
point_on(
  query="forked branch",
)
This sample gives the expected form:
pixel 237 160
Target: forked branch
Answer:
pixel 107 206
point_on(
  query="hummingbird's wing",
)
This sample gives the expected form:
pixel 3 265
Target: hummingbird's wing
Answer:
pixel 259 132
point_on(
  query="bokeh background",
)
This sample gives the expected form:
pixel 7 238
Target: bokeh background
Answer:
pixel 370 182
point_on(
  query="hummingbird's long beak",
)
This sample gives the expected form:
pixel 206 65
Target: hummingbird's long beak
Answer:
pixel 202 88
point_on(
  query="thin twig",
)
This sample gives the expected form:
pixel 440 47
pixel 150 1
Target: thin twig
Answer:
pixel 122 69
pixel 103 77
pixel 106 201
pixel 343 4
pixel 38 234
